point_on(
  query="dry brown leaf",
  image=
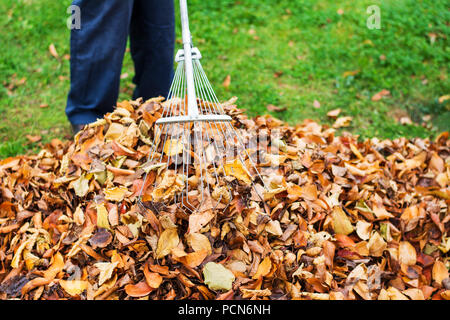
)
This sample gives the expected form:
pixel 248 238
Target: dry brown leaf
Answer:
pixel 166 242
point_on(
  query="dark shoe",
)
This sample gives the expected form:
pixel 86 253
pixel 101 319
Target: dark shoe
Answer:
pixel 77 128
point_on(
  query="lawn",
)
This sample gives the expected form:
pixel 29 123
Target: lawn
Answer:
pixel 294 54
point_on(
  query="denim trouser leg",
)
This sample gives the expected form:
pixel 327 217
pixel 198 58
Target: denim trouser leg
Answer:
pixel 152 41
pixel 97 51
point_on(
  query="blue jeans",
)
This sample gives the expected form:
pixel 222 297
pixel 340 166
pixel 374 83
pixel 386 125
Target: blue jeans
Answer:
pixel 97 50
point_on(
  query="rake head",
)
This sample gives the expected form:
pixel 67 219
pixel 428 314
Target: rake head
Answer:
pixel 197 160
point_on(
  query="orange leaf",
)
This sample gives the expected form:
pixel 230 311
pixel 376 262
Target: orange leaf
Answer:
pixel 56 267
pixel 194 259
pixel 227 81
pixel 164 270
pixel 263 268
pixel 153 279
pixel 137 290
pixel 344 241
pixel 381 94
pixel 37 282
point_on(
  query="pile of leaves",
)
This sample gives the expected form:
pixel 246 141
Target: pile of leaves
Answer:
pixel 341 219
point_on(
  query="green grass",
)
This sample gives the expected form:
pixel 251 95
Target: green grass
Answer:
pixel 297 52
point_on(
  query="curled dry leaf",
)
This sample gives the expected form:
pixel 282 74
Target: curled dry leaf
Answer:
pixel 138 290
pixel 363 229
pixel 153 279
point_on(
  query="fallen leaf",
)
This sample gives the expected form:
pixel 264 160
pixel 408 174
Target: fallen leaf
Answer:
pixel 74 287
pixel 173 147
pixel 381 94
pixel 407 253
pixel 116 193
pixel 138 290
pixel 81 186
pixel 217 277
pixel 444 98
pixel 363 229
pixel 167 241
pixel 226 83
pixel 376 245
pixel 153 279
pixel 341 222
pixel 439 272
pixel 271 107
pixel 33 139
pixel 342 122
pixel 102 217
pixel 263 269
pixel 52 50
pixel 316 104
pixel 237 170
pixel 198 242
pixel 106 270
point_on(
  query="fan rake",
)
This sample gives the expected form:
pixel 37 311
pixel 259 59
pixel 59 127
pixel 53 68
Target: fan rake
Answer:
pixel 197 154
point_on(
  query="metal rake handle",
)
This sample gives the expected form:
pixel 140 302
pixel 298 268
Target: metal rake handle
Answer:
pixel 187 45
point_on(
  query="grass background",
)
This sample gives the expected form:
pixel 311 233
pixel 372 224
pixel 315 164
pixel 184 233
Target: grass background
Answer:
pixel 286 53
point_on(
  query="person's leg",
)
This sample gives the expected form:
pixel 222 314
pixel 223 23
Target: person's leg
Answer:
pixel 96 57
pixel 152 42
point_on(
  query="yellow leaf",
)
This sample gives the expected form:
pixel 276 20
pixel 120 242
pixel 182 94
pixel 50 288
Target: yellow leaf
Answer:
pixel 102 217
pixel 356 152
pixel 273 227
pixel 406 253
pixel 237 170
pixel 395 294
pixel 444 98
pixel 115 193
pixel 173 147
pixel 439 272
pixel 376 245
pixel 217 277
pixel 18 255
pixel 363 229
pixel 341 223
pixel 263 268
pixel 74 287
pixel 350 73
pixel 106 270
pixel 78 216
pixel 414 294
pixel 170 184
pixel 194 259
pixel 114 132
pixel 342 122
pixel 30 259
pixel 199 242
pixel 81 186
pixel 166 242
pixel 226 83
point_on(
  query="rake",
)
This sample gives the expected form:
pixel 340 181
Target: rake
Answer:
pixel 197 155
